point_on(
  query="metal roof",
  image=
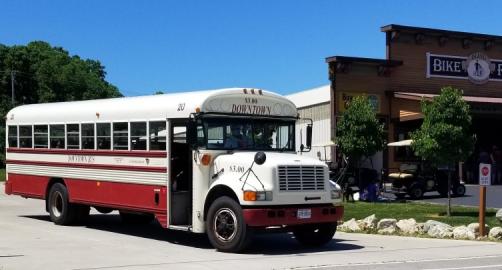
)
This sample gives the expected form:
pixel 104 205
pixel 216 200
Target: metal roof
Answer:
pixel 439 32
pixel 311 97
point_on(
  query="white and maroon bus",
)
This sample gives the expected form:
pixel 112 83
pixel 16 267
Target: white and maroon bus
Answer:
pixel 220 162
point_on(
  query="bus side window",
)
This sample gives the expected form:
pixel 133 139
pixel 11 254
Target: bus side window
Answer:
pixel 138 136
pixel 57 136
pixel 120 136
pixel 41 136
pixel 87 136
pixel 12 136
pixel 103 136
pixel 72 136
pixel 25 136
pixel 157 135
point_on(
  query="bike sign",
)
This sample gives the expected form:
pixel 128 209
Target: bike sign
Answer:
pixel 485 174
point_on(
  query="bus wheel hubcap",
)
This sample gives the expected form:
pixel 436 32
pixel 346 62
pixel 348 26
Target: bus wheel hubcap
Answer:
pixel 57 204
pixel 225 224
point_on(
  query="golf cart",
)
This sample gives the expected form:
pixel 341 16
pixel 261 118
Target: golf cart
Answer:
pixel 416 178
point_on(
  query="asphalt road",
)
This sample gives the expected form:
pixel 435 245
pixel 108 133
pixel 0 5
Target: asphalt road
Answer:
pixel 471 197
pixel 28 240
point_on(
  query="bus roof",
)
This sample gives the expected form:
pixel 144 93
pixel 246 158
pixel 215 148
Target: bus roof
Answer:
pixel 245 101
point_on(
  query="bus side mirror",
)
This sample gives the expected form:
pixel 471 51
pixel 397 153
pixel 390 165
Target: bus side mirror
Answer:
pixel 309 136
pixel 192 133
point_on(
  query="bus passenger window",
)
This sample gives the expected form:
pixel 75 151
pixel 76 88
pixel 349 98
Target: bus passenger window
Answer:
pixel 57 136
pixel 103 136
pixel 12 135
pixel 120 135
pixel 138 136
pixel 25 136
pixel 72 136
pixel 158 135
pixel 41 136
pixel 87 136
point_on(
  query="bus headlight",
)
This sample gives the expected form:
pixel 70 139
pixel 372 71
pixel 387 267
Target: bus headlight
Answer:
pixel 336 194
pixel 335 190
pixel 257 195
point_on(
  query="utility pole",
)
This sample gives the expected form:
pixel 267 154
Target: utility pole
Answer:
pixel 12 78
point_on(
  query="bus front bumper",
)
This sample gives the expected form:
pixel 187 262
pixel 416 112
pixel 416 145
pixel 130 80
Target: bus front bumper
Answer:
pixel 265 217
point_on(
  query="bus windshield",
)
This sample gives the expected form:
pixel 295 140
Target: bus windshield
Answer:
pixel 247 134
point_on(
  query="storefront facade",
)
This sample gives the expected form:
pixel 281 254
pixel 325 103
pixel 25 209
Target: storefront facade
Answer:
pixel 418 63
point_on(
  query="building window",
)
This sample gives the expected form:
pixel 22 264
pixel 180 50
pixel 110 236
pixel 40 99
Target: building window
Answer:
pixel 12 136
pixel 72 136
pixel 103 136
pixel 41 136
pixel 57 136
pixel 138 136
pixel 120 136
pixel 157 135
pixel 25 136
pixel 87 136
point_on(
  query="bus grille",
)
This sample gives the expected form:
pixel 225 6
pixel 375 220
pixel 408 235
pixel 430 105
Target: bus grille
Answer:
pixel 299 178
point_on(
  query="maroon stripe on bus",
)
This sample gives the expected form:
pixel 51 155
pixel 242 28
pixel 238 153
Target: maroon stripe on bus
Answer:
pixel 133 197
pixel 88 166
pixel 122 153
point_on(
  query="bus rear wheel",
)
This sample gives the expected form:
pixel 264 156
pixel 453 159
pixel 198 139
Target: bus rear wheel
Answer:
pixel 61 211
pixel 225 226
pixel 315 234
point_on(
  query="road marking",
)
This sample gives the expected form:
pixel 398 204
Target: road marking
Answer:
pixel 403 262
pixel 466 267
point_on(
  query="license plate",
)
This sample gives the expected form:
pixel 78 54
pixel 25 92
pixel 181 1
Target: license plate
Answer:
pixel 304 213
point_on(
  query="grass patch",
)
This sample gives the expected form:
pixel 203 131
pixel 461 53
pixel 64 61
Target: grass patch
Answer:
pixel 421 212
pixel 2 175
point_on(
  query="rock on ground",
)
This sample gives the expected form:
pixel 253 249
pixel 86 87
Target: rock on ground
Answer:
pixel 463 232
pixel 429 224
pixel 387 226
pixel 438 229
pixel 495 233
pixel 498 215
pixel 368 223
pixel 474 227
pixel 407 226
pixel 350 226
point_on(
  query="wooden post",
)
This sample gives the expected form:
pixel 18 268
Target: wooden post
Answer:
pixel 482 208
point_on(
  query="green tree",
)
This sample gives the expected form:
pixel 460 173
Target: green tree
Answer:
pixel 359 133
pixel 445 136
pixel 48 74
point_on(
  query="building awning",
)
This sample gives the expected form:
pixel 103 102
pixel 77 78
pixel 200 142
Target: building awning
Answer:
pixel 419 96
pixel 478 105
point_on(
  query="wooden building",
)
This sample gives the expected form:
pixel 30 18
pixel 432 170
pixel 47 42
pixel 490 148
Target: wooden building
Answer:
pixel 418 63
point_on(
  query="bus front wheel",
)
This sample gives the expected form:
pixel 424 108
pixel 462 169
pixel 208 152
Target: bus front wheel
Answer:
pixel 225 226
pixel 61 211
pixel 315 234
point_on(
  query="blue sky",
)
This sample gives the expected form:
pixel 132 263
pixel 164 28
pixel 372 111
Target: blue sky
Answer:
pixel 191 45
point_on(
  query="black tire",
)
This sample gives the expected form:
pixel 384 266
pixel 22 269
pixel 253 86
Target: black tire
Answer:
pixel 61 211
pixel 103 210
pixel 459 190
pixel 416 192
pixel 225 226
pixel 136 218
pixel 315 234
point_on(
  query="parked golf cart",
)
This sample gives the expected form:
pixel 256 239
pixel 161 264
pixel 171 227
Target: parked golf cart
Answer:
pixel 416 178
